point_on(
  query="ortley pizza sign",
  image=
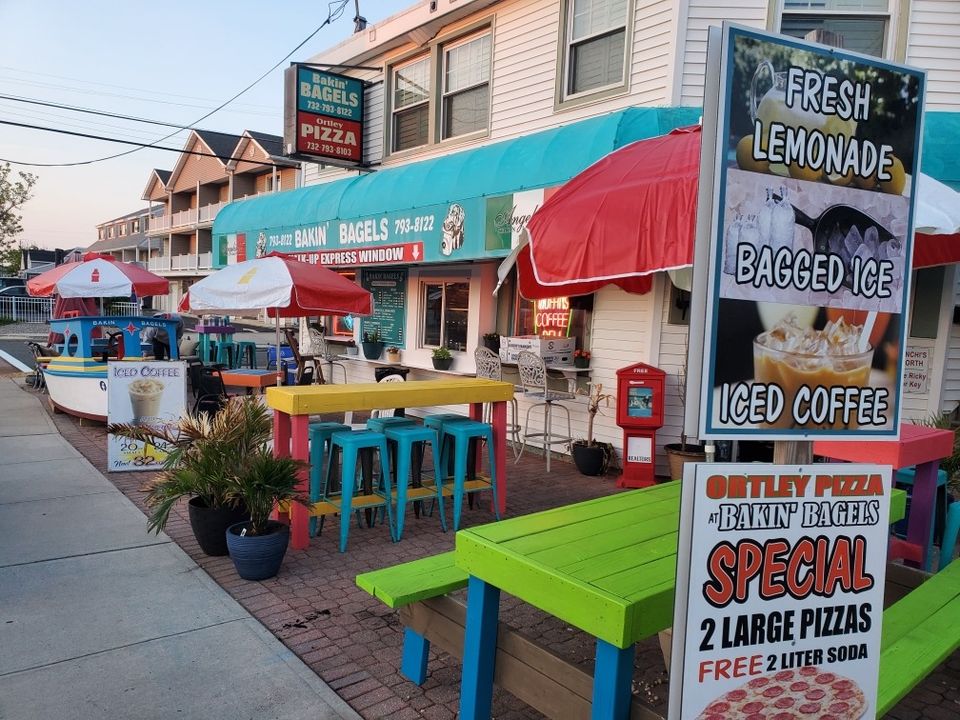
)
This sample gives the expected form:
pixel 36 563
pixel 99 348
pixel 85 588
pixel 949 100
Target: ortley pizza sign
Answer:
pixel 779 595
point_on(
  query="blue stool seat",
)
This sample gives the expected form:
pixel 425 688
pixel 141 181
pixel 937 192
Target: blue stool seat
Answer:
pixel 381 424
pixel 461 433
pixel 437 421
pixel 320 434
pixel 405 437
pixel 247 351
pixel 350 444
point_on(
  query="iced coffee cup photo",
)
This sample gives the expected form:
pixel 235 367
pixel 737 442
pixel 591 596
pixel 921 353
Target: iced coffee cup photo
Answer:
pixel 145 396
pixel 792 357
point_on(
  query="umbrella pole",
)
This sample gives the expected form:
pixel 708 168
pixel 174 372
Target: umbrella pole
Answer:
pixel 277 319
pixel 101 307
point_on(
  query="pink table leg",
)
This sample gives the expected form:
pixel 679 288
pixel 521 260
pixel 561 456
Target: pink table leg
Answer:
pixel 923 505
pixel 281 448
pixel 500 451
pixel 299 515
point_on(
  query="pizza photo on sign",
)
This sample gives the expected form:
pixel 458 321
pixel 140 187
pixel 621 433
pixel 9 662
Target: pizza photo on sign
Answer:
pixel 791 695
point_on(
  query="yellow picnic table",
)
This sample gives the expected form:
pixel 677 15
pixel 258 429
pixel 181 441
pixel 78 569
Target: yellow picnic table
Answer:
pixel 293 405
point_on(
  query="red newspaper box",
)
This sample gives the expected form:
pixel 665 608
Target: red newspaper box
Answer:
pixel 640 401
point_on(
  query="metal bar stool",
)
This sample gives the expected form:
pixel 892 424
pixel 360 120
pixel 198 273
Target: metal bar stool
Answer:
pixel 533 379
pixel 247 351
pixel 320 434
pixel 350 444
pixel 490 367
pixel 321 351
pixel 227 354
pixel 461 433
pixel 409 484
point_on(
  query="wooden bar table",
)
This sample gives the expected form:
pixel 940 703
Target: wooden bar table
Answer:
pixel 918 445
pixel 605 566
pixel 293 405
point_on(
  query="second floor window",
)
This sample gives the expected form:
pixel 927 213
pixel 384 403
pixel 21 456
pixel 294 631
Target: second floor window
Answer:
pixel 858 25
pixel 596 45
pixel 136 226
pixel 411 105
pixel 466 86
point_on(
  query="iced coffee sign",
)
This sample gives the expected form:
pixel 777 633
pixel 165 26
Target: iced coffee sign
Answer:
pixel 143 393
pixel 811 240
pixel 779 591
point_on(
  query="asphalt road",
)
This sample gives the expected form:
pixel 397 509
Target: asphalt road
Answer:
pixel 18 349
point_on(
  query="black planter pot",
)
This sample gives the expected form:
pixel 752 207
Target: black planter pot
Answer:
pixel 210 524
pixel 589 459
pixel 581 362
pixel 258 557
pixel 442 363
pixel 372 350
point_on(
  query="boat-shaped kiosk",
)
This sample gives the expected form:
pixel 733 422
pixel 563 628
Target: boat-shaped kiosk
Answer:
pixel 77 378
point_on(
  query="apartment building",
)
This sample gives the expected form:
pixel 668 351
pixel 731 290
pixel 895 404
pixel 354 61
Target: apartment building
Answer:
pixel 487 106
pixel 125 237
pixel 213 169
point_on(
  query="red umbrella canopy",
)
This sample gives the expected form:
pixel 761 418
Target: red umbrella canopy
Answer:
pixel 629 215
pixel 284 286
pixel 97 276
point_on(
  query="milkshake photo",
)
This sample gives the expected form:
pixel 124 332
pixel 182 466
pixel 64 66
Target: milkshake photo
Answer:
pixel 145 397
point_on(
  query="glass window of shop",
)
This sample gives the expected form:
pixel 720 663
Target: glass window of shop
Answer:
pixel 466 86
pixel 927 291
pixel 858 25
pixel 555 317
pixel 411 104
pixel 444 310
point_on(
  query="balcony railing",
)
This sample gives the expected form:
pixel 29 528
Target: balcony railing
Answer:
pixel 185 218
pixel 209 212
pixel 181 263
pixel 38 310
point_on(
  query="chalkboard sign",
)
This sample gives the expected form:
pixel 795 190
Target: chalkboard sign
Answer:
pixel 389 289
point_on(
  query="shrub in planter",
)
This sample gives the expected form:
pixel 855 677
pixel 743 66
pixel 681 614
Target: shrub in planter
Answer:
pixel 442 359
pixel 581 358
pixel 372 345
pixel 205 455
pixel 590 456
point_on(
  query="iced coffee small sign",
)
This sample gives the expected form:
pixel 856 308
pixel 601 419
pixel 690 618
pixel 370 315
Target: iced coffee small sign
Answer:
pixel 779 596
pixel 817 150
pixel 142 393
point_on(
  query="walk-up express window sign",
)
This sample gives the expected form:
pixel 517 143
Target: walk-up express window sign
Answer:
pixel 323 116
pixel 809 240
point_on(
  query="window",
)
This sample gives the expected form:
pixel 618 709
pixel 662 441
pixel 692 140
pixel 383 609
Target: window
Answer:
pixel 121 229
pixel 411 105
pixel 555 317
pixel 596 42
pixel 927 290
pixel 135 226
pixel 268 183
pixel 858 25
pixel 444 306
pixel 466 87
pixel 110 231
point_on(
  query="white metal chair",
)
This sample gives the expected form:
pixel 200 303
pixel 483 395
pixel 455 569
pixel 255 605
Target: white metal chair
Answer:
pixel 387 413
pixel 489 367
pixel 321 351
pixel 533 380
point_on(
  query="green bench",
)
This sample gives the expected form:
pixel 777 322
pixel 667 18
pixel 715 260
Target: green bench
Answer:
pixel 919 632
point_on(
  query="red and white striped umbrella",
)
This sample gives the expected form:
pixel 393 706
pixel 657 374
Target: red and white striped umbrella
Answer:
pixel 97 276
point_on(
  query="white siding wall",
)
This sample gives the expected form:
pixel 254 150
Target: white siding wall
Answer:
pixel 700 15
pixel 672 359
pixel 934 44
pixel 951 371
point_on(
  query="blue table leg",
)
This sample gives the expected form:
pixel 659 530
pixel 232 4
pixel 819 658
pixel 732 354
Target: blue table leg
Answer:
pixel 612 677
pixel 416 652
pixel 479 650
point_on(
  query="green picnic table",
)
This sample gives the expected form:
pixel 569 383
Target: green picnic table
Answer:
pixel 605 566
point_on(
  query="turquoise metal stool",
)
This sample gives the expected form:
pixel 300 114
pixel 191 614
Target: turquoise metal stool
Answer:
pixel 320 433
pixel 461 433
pixel 950 534
pixel 903 478
pixel 247 350
pixel 227 354
pixel 437 423
pixel 404 437
pixel 350 444
pixel 382 424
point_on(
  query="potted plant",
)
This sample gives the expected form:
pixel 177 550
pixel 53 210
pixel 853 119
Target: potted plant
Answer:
pixel 581 358
pixel 679 454
pixel 205 455
pixel 257 545
pixel 492 341
pixel 350 348
pixel 393 354
pixel 442 359
pixel 372 345
pixel 592 457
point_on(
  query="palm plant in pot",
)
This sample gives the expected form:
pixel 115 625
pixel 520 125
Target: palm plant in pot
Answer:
pixel 204 456
pixel 590 456
pixel 372 345
pixel 257 546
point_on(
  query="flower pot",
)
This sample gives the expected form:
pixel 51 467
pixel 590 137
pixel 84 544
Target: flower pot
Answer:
pixel 210 524
pixel 258 557
pixel 677 457
pixel 580 362
pixel 442 363
pixel 350 350
pixel 492 343
pixel 372 350
pixel 393 357
pixel 589 459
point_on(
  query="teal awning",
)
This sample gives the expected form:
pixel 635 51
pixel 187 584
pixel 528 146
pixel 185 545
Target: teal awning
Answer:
pixel 410 204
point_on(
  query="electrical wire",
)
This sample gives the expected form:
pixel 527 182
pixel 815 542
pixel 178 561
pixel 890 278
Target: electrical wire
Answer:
pixel 334 11
pixel 90 111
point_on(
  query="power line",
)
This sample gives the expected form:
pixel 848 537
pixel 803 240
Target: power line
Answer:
pixel 140 145
pixel 335 10
pixel 91 111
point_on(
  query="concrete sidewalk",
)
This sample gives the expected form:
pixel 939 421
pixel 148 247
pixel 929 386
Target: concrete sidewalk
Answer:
pixel 99 619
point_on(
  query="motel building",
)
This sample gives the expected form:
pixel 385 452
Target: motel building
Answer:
pixel 474 112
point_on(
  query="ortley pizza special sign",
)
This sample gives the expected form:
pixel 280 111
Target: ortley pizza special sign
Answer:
pixel 779 595
pixel 811 233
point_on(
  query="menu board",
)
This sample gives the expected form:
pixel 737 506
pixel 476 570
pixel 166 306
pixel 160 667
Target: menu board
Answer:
pixel 150 393
pixel 389 290
pixel 815 152
pixel 779 595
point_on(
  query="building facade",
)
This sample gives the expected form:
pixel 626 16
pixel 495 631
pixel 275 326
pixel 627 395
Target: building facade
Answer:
pixel 479 109
pixel 125 238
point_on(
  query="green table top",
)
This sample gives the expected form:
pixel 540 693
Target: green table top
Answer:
pixel 606 566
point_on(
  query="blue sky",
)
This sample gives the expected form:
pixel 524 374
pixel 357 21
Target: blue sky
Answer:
pixel 171 61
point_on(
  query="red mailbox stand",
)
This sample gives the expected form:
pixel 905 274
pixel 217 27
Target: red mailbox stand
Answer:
pixel 640 401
